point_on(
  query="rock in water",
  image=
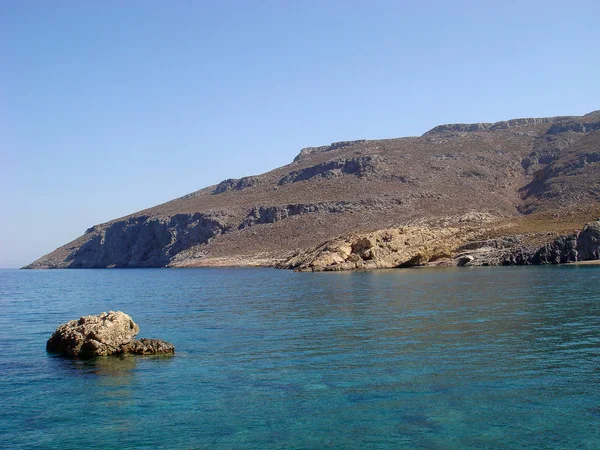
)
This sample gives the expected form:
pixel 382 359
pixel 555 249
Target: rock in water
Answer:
pixel 109 333
pixel 103 334
pixel 147 346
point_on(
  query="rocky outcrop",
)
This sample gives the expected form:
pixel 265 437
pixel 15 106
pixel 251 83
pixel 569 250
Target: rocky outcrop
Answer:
pixel 360 167
pixel 510 251
pixel 109 333
pixel 588 242
pixel 234 184
pixel 582 246
pixel 104 334
pixel 271 214
pixel 419 246
pixel 496 126
pixel 504 251
pixel 576 127
pixel 382 249
pixel 306 152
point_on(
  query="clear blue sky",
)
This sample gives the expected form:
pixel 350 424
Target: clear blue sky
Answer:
pixel 110 107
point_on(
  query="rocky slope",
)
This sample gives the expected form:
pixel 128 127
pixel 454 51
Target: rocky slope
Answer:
pixel 529 180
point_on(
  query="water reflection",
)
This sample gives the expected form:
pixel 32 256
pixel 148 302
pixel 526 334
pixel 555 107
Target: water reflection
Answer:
pixel 119 369
pixel 114 370
pixel 108 386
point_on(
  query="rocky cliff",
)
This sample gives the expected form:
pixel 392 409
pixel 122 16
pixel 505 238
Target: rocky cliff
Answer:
pixel 484 185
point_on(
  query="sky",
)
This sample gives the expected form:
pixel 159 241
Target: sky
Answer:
pixel 107 108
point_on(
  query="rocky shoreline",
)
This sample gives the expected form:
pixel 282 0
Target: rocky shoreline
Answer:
pixel 424 246
pixel 443 247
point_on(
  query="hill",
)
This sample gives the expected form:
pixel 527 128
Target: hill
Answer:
pixel 532 178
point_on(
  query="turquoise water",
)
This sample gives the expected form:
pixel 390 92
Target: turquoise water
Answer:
pixel 448 358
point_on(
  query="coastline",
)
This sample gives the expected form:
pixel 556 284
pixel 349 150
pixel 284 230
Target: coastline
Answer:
pixel 593 262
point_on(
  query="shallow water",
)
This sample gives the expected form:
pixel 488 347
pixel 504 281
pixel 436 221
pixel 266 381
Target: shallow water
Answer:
pixel 441 358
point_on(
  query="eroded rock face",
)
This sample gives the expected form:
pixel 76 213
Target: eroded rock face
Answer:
pixel 400 247
pixel 448 246
pixel 141 241
pixel 582 246
pixel 109 333
pixel 271 214
pixel 505 251
pixel 588 242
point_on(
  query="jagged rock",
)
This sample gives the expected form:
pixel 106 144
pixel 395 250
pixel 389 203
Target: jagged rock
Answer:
pixel 582 246
pixel 561 251
pixel 588 242
pixel 105 334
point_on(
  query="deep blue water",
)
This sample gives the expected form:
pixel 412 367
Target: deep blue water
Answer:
pixel 440 358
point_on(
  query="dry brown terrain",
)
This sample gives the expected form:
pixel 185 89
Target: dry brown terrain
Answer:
pixel 536 178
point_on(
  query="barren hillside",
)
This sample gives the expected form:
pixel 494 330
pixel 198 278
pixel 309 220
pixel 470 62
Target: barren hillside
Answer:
pixel 532 177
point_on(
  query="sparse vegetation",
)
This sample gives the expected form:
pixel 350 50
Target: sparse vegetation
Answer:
pixel 537 178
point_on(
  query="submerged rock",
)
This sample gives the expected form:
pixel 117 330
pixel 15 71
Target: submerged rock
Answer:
pixel 147 346
pixel 109 333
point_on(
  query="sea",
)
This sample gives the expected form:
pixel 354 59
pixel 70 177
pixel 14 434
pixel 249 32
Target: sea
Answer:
pixel 483 358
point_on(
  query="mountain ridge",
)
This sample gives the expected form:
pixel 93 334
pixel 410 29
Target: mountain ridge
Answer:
pixel 507 170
